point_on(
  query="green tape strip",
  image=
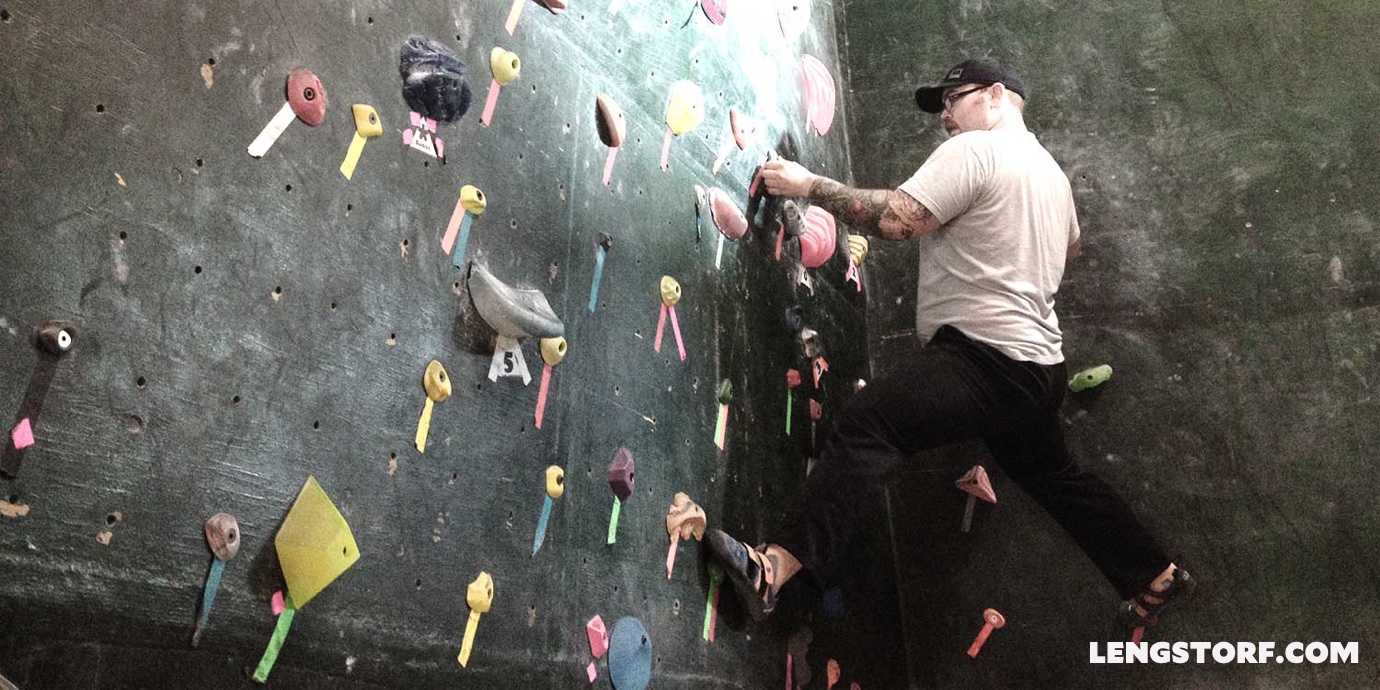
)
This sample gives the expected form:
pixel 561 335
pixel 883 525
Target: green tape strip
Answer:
pixel 613 520
pixel 709 603
pixel 275 643
pixel 790 399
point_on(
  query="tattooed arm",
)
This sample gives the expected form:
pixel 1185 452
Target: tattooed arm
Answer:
pixel 892 215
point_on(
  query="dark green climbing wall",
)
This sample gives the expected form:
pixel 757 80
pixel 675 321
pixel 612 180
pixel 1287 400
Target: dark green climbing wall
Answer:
pixel 246 323
pixel 1223 162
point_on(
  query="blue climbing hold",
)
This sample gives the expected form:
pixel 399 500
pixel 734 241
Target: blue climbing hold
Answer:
pixel 630 655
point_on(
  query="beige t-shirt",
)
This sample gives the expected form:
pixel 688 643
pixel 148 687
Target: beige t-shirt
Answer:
pixel 993 267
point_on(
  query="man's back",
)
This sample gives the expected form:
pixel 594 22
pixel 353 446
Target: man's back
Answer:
pixel 993 268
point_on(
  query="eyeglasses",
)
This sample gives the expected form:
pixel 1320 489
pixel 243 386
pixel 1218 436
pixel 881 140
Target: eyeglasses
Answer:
pixel 954 97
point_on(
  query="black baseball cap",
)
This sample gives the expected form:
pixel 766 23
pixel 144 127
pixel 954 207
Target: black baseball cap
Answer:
pixel 930 98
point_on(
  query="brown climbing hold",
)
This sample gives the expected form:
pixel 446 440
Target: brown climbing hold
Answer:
pixel 223 535
pixel 57 337
pixel 307 96
pixel 612 125
pixel 685 518
pixel 622 474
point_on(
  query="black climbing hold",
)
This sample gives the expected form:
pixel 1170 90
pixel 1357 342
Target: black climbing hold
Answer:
pixel 433 80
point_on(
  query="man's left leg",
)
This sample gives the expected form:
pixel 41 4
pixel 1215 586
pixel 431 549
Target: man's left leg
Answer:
pixel 1034 455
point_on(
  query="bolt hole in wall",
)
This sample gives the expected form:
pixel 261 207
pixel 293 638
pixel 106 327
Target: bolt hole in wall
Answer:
pixel 235 400
pixel 5 16
pixel 200 162
pixel 197 270
pixel 287 187
pixel 140 382
pixel 100 107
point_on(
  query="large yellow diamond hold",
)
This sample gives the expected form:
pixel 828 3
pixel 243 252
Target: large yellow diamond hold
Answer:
pixel 315 545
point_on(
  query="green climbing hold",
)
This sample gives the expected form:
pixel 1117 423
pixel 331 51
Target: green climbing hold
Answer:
pixel 1090 378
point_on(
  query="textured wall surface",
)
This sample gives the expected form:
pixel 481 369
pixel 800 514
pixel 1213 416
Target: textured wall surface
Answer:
pixel 246 323
pixel 1223 162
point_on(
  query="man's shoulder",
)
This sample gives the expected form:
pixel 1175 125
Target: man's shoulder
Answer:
pixel 979 143
pixel 973 138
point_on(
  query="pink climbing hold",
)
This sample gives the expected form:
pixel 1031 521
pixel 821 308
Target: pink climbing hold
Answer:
pixel 22 435
pixel 976 483
pixel 728 218
pixel 716 11
pixel 819 237
pixel 277 603
pixel 818 94
pixel 598 637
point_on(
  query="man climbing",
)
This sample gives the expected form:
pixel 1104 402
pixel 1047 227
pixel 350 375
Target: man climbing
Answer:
pixel 994 216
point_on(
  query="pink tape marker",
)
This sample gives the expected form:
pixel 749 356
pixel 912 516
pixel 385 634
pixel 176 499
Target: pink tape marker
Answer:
pixel 1137 633
pixel 513 15
pixel 22 435
pixel 790 672
pixel 671 556
pixel 666 151
pixel 660 330
pixel 490 103
pixel 721 427
pixel 541 394
pixel 853 275
pixel 821 365
pixel 675 328
pixel 714 615
pixel 453 227
pixel 593 671
pixel 780 238
pixel 608 164
pixel 276 604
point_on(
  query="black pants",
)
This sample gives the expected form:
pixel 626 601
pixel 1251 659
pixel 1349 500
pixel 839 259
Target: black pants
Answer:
pixel 958 389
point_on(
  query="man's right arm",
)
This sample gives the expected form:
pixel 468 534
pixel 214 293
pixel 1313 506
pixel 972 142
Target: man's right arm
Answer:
pixel 889 214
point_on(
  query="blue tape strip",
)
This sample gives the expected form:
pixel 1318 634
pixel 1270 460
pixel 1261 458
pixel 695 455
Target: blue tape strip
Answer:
pixel 457 257
pixel 208 597
pixel 598 277
pixel 541 525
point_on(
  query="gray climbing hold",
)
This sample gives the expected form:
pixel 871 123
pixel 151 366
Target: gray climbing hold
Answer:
pixel 513 312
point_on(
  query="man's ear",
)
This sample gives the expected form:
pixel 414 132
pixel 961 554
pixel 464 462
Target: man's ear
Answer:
pixel 998 93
